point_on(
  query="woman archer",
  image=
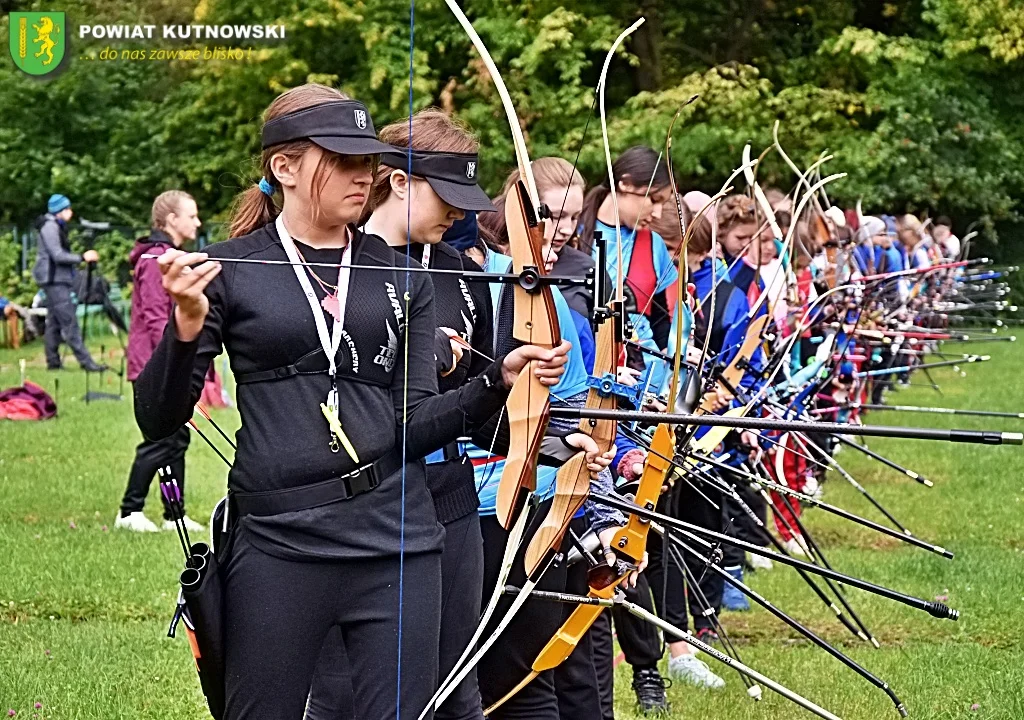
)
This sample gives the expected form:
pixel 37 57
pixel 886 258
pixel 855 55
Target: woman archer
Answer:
pixel 331 515
pixel 642 188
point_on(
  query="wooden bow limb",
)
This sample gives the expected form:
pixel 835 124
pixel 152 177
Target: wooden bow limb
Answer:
pixel 808 197
pixel 762 201
pixel 682 334
pixel 630 541
pixel 824 234
pixel 573 480
pixel 535 322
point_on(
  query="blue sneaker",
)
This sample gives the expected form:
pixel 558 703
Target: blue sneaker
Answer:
pixel 732 598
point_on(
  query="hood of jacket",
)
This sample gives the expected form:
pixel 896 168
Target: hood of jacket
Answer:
pixel 155 243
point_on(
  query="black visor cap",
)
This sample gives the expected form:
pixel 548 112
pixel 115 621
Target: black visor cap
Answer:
pixel 451 175
pixel 342 127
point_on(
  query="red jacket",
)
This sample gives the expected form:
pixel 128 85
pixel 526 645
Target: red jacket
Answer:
pixel 151 305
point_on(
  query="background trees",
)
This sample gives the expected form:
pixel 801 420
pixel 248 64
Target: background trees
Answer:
pixel 919 100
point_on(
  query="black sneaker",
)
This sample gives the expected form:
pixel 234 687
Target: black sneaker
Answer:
pixel 94 367
pixel 650 686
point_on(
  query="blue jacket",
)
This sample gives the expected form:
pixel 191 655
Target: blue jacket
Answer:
pixel 572 382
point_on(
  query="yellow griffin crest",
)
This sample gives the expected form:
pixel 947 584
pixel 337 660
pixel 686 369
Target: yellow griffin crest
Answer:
pixel 43 30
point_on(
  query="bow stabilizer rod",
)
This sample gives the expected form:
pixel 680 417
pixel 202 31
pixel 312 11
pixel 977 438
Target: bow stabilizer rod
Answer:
pixel 983 437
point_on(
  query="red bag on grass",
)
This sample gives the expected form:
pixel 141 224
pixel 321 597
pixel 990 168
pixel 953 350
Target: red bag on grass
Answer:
pixel 28 402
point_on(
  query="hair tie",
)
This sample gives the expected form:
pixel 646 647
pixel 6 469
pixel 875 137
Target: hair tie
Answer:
pixel 265 187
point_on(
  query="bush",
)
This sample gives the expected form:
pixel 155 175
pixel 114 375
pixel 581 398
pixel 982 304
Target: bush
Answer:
pixel 15 285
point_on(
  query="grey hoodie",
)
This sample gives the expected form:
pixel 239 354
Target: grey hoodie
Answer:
pixel 55 263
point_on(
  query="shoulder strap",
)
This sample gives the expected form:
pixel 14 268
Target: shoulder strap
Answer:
pixel 312 363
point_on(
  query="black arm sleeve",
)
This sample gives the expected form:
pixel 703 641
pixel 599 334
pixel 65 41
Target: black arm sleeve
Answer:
pixel 431 420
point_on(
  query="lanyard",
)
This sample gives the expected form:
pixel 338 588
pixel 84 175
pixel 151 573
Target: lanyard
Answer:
pixel 329 343
pixel 426 256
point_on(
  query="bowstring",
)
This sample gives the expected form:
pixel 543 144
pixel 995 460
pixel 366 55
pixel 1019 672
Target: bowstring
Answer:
pixel 572 174
pixel 405 389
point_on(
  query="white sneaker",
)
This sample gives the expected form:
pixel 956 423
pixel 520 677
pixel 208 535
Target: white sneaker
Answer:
pixel 759 562
pixel 693 671
pixel 137 522
pixel 191 525
pixel 794 548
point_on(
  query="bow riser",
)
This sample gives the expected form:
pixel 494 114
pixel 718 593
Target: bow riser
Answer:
pixel 536 319
pixel 631 540
pixel 536 323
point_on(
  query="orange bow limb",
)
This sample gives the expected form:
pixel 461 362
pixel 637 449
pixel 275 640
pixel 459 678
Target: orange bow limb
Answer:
pixel 561 645
pixel 631 540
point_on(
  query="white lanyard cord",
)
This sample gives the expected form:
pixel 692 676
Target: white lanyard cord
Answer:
pixel 330 343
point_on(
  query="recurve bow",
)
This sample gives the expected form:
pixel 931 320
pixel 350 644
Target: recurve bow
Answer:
pixel 535 322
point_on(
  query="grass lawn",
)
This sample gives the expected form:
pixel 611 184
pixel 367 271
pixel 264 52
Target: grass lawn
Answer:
pixel 84 609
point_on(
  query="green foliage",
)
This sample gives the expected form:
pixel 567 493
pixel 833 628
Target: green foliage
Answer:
pixel 15 285
pixel 969 25
pixel 919 102
pixel 931 136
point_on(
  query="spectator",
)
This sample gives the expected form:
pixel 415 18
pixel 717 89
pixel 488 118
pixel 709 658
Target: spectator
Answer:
pixel 175 221
pixel 54 271
pixel 943 235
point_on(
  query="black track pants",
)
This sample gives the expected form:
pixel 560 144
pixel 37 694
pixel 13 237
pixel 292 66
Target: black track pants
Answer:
pixel 278 612
pixel 462 574
pixel 150 456
pixel 509 661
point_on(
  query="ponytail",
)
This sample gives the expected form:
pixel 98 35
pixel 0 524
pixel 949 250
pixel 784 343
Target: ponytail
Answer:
pixel 252 209
pixel 591 204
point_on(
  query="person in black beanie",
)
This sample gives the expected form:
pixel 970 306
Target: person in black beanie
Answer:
pixel 54 271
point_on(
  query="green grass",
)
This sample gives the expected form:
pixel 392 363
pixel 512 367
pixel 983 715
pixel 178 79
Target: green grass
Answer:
pixel 84 609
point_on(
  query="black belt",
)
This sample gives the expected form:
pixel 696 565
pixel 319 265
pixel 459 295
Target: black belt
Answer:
pixel 305 497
